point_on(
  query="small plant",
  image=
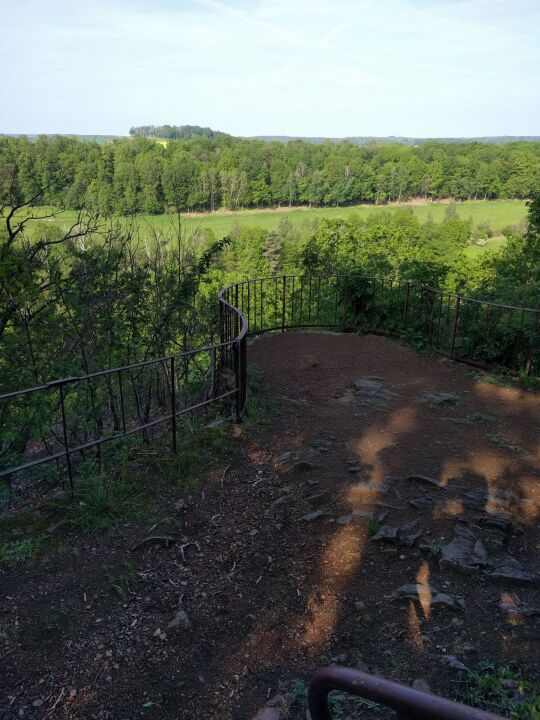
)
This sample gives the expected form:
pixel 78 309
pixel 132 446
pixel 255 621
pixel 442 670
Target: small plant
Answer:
pixel 503 691
pixel 298 691
pixel 496 439
pixel 19 551
pixel 434 547
pixel 372 527
pixel 479 417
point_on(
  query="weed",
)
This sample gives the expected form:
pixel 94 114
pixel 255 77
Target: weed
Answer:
pixel 434 547
pixel 502 690
pixel 298 691
pixel 121 578
pixel 19 551
pixel 496 439
pixel 372 527
pixel 479 417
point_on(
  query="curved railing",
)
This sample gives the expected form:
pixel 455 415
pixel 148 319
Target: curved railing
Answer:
pixel 67 420
pixel 479 332
pixel 72 418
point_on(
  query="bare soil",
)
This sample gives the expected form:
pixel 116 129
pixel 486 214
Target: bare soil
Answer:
pixel 283 576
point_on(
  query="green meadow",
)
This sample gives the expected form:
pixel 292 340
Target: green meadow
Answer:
pixel 497 213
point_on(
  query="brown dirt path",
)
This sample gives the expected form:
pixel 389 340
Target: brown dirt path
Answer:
pixel 285 576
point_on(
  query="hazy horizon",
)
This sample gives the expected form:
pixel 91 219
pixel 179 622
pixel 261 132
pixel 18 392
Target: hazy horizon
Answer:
pixel 403 68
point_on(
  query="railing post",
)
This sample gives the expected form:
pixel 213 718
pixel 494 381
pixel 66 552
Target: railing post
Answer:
pixel 238 381
pixel 454 329
pixel 283 296
pixel 529 363
pixel 64 432
pixel 173 404
pixel 243 365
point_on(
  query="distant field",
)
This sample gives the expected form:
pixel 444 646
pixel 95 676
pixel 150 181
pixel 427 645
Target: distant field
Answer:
pixel 498 213
pixel 494 243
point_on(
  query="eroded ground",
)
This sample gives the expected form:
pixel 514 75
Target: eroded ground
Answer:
pixel 386 520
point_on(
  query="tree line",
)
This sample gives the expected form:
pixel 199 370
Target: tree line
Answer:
pixel 139 175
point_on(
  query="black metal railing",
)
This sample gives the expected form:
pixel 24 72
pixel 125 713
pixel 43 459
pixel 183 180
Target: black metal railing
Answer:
pixel 406 702
pixel 476 331
pixel 69 419
pixel 64 420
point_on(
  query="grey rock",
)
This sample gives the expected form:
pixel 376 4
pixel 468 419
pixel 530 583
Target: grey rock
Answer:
pixel 518 610
pixel 451 661
pixel 316 515
pixel 319 498
pixel 425 479
pixel 410 539
pixel 421 592
pixel 278 504
pixel 387 533
pixel 465 551
pixel 510 569
pixel 440 399
pixel 358 512
pixel 371 393
pixel 179 621
pixel 421 685
pixel 344 520
pixel 421 502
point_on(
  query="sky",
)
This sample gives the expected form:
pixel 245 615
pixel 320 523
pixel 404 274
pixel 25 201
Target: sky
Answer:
pixel 333 68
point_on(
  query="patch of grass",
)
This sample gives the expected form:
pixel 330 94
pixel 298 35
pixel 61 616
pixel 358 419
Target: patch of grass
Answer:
pixel 503 691
pixel 120 578
pixel 19 552
pixel 529 383
pixel 479 417
pixel 498 213
pixel 496 439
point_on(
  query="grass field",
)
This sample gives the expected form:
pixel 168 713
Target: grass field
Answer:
pixel 498 213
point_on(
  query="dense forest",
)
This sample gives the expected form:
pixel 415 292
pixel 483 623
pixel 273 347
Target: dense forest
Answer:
pixel 140 175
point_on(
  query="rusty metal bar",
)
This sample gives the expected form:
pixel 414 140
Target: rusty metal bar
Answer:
pixel 173 405
pixel 65 436
pixel 405 701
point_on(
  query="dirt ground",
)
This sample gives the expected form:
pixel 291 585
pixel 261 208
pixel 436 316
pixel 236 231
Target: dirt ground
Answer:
pixel 380 469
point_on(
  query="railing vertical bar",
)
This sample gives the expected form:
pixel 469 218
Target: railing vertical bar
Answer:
pixel 65 436
pixel 173 404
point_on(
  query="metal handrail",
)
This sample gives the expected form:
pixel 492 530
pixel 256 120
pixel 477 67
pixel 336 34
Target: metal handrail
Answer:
pixel 408 703
pixel 287 302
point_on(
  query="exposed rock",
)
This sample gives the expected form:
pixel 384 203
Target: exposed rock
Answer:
pixel 274 709
pixel 425 480
pixel 180 620
pixel 410 539
pixel 440 399
pixel 319 498
pixel 387 533
pixel 287 455
pixel 451 661
pixel 508 568
pixel 344 520
pixel 371 393
pixel 421 685
pixel 358 512
pixel 429 595
pixel 422 501
pixel 278 505
pixel 465 551
pixel 518 611
pixel 316 515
